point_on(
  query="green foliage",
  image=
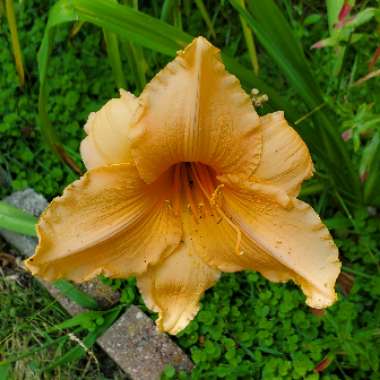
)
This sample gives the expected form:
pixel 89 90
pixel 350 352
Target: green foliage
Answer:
pixel 70 291
pixel 14 219
pixel 247 326
pixel 26 314
pixel 276 36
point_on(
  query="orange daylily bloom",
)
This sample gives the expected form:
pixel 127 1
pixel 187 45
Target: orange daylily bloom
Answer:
pixel 183 183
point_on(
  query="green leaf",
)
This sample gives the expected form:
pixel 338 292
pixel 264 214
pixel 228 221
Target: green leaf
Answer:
pixel 136 27
pixel 276 36
pixel 85 320
pixel 84 344
pixel 363 17
pixel 333 10
pixel 203 11
pixel 135 55
pixel 370 164
pixel 17 53
pixel 113 53
pixel 72 292
pixel 249 41
pixel 167 7
pixel 16 220
pixel 5 371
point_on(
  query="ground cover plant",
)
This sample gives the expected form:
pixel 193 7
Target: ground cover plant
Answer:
pixel 247 328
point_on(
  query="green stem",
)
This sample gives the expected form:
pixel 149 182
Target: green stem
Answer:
pixel 15 41
pixel 250 42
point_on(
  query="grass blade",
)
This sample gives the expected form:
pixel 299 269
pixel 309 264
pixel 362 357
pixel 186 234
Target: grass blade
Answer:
pixel 275 35
pixel 113 53
pixel 16 220
pixel 371 162
pixel 83 346
pixel 249 41
pixel 333 9
pixel 203 11
pixel 76 28
pixel 84 320
pixel 136 63
pixel 166 9
pixel 15 41
pixel 70 291
pixel 135 55
pixel 5 371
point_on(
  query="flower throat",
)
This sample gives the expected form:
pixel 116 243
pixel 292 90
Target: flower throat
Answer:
pixel 196 189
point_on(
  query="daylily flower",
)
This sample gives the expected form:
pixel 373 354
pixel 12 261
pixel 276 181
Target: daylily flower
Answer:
pixel 183 183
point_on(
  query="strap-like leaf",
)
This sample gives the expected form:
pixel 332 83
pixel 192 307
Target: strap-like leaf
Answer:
pixel 16 220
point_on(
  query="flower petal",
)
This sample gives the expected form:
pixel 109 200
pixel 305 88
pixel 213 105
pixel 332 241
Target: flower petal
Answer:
pixel 285 160
pixel 174 287
pixel 194 111
pixel 214 240
pixel 297 244
pixel 108 132
pixel 107 222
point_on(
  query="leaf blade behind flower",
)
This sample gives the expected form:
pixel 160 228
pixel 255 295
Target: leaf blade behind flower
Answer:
pixel 276 36
pixel 16 220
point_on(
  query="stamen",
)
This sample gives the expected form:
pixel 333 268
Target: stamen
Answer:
pixel 235 227
pixel 219 210
pixel 217 191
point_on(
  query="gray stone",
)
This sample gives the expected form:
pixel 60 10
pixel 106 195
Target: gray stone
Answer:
pixel 139 349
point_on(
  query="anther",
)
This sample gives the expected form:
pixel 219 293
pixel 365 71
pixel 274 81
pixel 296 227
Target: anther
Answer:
pixel 217 191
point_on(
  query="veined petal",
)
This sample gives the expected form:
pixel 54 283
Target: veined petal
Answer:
pixel 107 222
pixel 285 161
pixel 298 245
pixel 174 287
pixel 108 132
pixel 194 111
pixel 213 238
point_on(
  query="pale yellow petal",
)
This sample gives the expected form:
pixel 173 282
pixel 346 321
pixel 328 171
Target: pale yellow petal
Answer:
pixel 219 241
pixel 108 132
pixel 285 160
pixel 214 239
pixel 292 236
pixel 107 222
pixel 174 287
pixel 91 156
pixel 193 110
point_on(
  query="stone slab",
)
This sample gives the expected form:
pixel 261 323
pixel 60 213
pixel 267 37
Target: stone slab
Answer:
pixel 133 342
pixel 136 346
